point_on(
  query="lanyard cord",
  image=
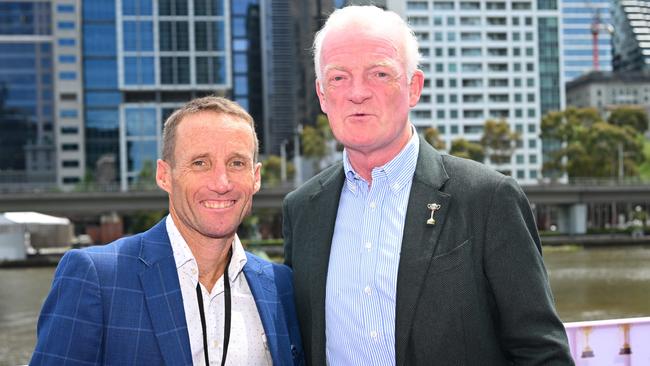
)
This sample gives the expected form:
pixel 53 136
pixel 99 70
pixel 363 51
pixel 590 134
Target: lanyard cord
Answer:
pixel 227 303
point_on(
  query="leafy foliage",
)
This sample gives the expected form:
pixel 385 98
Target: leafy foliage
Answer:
pixel 498 141
pixel 467 149
pixel 272 170
pixel 315 139
pixel 634 117
pixel 588 146
pixel 432 136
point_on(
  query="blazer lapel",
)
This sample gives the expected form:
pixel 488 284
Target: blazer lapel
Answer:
pixel 419 239
pixel 324 219
pixel 266 297
pixel 163 296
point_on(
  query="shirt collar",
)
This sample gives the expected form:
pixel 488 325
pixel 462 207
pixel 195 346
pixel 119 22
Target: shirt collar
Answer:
pixel 184 258
pixel 397 172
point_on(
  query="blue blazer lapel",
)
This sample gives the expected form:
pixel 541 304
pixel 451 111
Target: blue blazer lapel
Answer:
pixel 261 283
pixel 163 296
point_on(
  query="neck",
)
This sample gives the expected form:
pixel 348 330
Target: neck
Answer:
pixel 364 162
pixel 211 254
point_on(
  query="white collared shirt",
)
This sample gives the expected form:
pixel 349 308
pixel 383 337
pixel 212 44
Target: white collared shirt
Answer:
pixel 248 344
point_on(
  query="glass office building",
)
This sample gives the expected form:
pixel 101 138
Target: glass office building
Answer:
pixel 142 60
pixel 27 151
pixel 578 18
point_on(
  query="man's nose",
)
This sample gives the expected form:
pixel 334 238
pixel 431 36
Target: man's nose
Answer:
pixel 359 91
pixel 220 181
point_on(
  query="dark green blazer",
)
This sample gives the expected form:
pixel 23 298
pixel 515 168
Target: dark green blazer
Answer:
pixel 471 289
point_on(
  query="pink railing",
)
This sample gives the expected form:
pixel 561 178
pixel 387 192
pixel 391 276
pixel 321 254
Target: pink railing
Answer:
pixel 614 342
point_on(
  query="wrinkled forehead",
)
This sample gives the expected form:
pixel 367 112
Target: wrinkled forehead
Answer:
pixel 355 39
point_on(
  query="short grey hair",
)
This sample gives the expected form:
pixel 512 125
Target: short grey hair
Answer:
pixel 216 104
pixel 373 19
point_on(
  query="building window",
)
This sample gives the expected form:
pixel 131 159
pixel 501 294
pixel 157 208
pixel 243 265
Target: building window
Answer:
pixel 68 130
pixel 70 163
pixel 174 36
pixel 213 7
pixel 67 59
pixel 210 70
pixel 140 122
pixel 174 70
pixel 65 25
pixel 139 71
pixel 67 75
pixel 209 36
pixel 70 147
pixel 66 42
pixel 70 180
pixel 138 35
pixel 68 113
pixel 65 8
pixel 172 7
pixel 68 96
pixel 137 7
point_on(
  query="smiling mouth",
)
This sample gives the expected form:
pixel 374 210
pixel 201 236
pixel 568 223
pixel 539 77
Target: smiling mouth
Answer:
pixel 218 204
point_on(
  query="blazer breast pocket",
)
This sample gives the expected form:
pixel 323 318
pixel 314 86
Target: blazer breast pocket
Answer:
pixel 452 259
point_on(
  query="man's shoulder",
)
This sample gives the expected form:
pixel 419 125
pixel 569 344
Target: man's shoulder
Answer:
pixel 261 265
pixel 462 169
pixel 316 183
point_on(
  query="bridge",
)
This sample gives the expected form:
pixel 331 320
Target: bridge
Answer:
pixel 572 198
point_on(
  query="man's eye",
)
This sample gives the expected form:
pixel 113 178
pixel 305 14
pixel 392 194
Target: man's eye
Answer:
pixel 238 163
pixel 199 163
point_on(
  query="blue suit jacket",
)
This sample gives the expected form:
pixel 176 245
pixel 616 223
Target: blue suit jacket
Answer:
pixel 121 304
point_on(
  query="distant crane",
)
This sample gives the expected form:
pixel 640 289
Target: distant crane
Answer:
pixel 597 26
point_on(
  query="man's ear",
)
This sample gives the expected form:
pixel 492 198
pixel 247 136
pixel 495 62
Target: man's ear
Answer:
pixel 415 87
pixel 163 175
pixel 257 174
pixel 321 96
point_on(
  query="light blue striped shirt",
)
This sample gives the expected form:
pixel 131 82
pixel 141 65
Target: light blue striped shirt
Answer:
pixel 362 273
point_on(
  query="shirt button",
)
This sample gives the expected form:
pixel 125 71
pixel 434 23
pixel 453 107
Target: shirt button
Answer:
pixel 367 290
pixel 368 245
pixel 215 344
pixel 374 334
pixel 373 205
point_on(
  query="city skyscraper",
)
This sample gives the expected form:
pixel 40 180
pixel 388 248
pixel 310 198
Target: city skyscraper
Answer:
pixel 142 60
pixel 631 19
pixel 581 20
pixel 488 59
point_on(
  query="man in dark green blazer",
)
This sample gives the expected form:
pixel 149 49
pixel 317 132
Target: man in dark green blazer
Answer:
pixel 403 255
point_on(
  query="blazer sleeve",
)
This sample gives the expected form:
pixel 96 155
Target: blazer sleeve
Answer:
pixel 531 332
pixel 69 329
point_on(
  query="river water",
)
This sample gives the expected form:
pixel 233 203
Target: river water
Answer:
pixel 588 284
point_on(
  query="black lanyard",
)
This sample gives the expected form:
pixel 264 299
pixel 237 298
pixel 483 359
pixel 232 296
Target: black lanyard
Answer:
pixel 226 326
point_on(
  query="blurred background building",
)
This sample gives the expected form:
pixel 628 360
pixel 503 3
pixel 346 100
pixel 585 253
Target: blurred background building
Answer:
pixel 85 85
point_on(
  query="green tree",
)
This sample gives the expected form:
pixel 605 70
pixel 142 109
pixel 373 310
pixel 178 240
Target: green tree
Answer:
pixel 588 146
pixel 315 139
pixel 432 136
pixel 146 177
pixel 498 141
pixel 466 149
pixel 272 170
pixel 317 142
pixel 634 117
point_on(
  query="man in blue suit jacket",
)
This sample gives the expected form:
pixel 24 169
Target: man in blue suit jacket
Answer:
pixel 130 302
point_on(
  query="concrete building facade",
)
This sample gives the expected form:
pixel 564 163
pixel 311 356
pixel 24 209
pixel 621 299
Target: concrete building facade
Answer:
pixel 488 59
